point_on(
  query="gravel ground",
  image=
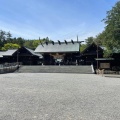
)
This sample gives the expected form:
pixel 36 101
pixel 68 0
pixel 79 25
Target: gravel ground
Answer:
pixel 53 96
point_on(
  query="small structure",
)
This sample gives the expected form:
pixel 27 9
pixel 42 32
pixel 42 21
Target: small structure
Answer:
pixel 28 57
pixel 24 55
pixel 104 63
pixel 88 55
pixel 107 65
pixel 8 56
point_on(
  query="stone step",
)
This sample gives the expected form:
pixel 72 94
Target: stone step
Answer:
pixel 55 69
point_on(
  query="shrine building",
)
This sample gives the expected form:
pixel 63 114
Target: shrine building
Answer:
pixel 64 53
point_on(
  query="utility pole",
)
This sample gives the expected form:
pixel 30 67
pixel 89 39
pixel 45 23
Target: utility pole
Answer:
pixel 97 56
pixel 17 56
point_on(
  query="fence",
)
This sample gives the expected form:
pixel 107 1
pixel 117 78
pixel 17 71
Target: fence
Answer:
pixel 9 67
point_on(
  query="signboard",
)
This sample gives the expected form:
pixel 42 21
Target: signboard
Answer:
pixel 104 65
pixel 58 56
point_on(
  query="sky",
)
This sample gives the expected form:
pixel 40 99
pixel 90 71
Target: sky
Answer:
pixel 56 19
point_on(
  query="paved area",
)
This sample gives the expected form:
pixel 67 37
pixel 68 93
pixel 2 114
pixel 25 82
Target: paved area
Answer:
pixel 34 96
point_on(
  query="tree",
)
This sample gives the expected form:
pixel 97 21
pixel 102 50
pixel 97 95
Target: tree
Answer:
pixel 100 38
pixel 5 37
pixel 8 36
pixel 36 43
pixel 83 47
pixel 89 40
pixel 32 44
pixel 20 41
pixel 2 35
pixel 2 38
pixel 10 46
pixel 112 29
pixel 29 44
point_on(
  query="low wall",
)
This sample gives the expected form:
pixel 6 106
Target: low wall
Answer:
pixel 8 68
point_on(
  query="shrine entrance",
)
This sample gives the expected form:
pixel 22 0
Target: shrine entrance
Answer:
pixel 58 57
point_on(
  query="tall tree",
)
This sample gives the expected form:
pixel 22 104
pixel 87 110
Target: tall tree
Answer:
pixel 2 35
pixel 2 38
pixel 100 38
pixel 8 35
pixel 112 29
pixel 20 41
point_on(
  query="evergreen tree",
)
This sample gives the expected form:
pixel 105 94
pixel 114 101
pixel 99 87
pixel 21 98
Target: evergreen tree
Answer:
pixel 112 29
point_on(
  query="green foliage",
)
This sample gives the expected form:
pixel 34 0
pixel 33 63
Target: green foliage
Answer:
pixel 36 43
pixel 10 46
pixel 89 40
pixel 112 29
pixel 3 49
pixel 6 37
pixel 3 37
pixel 110 37
pixel 9 35
pixel 107 53
pixel 32 44
pixel 29 44
pixel 20 41
pixel 100 38
pixel 83 47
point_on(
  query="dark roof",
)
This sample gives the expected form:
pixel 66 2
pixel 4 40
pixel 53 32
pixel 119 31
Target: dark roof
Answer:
pixel 58 47
pixel 1 53
pixel 33 53
pixel 90 46
pixel 104 59
pixel 10 52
